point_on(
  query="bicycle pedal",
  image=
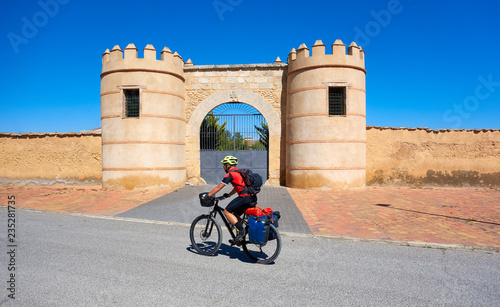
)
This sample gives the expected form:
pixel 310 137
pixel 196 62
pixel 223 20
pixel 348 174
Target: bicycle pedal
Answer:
pixel 233 243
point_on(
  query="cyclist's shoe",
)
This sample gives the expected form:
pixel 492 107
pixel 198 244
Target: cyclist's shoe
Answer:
pixel 239 238
pixel 234 243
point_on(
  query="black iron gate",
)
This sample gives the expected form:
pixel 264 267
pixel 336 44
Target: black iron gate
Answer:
pixel 245 136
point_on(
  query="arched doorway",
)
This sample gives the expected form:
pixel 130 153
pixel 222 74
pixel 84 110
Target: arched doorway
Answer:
pixel 204 107
pixel 235 129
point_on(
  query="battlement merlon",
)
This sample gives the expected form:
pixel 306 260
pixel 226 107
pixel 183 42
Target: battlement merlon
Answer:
pixel 301 58
pixel 117 60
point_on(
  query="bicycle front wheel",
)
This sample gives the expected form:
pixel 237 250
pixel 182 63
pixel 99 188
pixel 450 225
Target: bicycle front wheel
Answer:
pixel 264 253
pixel 206 235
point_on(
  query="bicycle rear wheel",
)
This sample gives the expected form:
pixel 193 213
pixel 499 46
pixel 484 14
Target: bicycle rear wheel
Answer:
pixel 206 235
pixel 263 253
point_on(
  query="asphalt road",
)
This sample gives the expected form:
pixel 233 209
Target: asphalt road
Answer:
pixel 70 260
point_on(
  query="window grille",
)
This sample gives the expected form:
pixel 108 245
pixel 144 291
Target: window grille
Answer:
pixel 131 102
pixel 336 101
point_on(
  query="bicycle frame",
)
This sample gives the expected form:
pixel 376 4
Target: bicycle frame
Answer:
pixel 213 213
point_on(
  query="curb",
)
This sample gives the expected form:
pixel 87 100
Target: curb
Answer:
pixel 442 246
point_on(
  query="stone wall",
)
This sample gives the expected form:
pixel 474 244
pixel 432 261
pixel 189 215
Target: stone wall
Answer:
pixel 395 156
pixel 50 158
pixel 424 157
pixel 262 86
pixel 266 80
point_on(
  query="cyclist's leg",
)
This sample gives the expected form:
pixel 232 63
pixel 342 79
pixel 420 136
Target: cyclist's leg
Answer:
pixel 236 207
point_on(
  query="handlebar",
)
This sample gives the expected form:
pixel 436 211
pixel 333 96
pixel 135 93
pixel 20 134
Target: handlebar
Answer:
pixel 209 201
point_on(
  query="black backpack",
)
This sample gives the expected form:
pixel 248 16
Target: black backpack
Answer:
pixel 253 181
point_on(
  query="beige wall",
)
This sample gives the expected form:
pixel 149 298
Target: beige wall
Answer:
pixel 395 156
pixel 50 158
pixel 424 157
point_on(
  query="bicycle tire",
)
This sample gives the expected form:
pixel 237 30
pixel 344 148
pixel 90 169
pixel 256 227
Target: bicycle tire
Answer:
pixel 263 254
pixel 205 244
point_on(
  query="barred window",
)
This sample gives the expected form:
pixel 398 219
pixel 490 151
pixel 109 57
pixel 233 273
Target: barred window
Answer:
pixel 336 101
pixel 132 102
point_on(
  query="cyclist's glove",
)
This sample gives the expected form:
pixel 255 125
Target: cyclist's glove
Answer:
pixel 226 195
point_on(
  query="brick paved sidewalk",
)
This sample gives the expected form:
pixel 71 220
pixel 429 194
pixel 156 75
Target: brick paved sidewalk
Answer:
pixel 79 199
pixel 437 215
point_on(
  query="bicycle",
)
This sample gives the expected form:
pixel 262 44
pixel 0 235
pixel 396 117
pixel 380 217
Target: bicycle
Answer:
pixel 206 235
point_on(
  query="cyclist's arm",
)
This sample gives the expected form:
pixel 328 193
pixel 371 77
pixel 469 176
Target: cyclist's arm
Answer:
pixel 216 189
pixel 232 192
pixel 225 181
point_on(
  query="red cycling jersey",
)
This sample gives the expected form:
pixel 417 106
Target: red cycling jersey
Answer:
pixel 236 180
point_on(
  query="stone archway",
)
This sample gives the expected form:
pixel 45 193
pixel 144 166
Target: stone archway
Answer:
pixel 214 100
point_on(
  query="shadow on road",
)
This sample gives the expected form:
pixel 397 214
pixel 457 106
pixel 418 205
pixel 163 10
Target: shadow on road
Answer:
pixel 225 250
pixel 440 215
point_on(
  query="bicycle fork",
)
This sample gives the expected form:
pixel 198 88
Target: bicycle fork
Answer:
pixel 208 229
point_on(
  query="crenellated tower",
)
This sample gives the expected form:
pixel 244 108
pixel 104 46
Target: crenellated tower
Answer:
pixel 326 117
pixel 143 119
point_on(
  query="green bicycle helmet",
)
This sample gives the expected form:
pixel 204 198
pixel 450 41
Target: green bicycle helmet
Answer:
pixel 230 160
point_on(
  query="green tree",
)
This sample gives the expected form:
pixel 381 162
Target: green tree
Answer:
pixel 212 134
pixel 258 146
pixel 239 142
pixel 263 132
pixel 225 141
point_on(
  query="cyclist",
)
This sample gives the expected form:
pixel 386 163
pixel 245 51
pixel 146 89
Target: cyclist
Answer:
pixel 244 200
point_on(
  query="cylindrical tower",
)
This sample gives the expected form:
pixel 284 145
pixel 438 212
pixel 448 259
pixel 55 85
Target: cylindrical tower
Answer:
pixel 143 119
pixel 326 117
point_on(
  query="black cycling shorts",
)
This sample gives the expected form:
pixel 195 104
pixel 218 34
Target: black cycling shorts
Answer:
pixel 238 205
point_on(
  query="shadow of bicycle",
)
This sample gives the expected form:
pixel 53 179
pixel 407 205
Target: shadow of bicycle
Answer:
pixel 232 252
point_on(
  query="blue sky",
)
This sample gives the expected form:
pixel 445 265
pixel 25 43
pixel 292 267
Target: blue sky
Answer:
pixel 432 64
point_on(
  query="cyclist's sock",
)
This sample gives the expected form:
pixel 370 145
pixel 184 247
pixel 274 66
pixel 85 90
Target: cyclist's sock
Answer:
pixel 239 227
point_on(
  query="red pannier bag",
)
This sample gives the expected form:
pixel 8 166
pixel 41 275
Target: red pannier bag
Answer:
pixel 255 211
pixel 267 211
